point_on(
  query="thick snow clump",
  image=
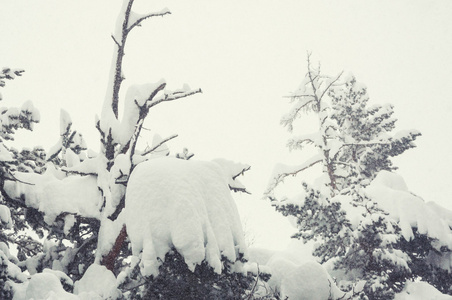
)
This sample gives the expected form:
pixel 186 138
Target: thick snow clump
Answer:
pixel 182 204
pixel 98 280
pixel 54 192
pixel 421 291
pixel 296 274
pixel 410 211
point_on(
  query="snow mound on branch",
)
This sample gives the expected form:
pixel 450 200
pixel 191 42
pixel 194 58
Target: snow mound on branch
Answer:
pixel 53 193
pixel 5 155
pixel 421 291
pixel 307 280
pixel 183 204
pixel 5 217
pixel 46 286
pixel 233 170
pixel 136 97
pixel 65 121
pixel 295 273
pixel 99 281
pixel 391 193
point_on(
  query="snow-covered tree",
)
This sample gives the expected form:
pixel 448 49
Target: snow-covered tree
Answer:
pixel 356 234
pixel 126 222
pixel 13 213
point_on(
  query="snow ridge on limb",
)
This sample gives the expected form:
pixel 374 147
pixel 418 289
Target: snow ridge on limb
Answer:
pixel 185 204
pixel 282 171
pixel 70 148
pixel 233 170
pixel 125 22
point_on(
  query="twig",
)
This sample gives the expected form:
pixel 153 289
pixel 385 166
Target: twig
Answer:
pixel 116 42
pixel 255 283
pixel 159 144
pixel 175 96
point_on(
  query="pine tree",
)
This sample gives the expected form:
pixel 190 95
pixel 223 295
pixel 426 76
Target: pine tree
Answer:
pixel 354 142
pixel 15 218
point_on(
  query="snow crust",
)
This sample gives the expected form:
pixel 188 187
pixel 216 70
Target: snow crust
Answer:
pixel 184 204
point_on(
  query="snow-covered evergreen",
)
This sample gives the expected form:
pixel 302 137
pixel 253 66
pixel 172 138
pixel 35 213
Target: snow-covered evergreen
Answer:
pixel 360 234
pixel 123 222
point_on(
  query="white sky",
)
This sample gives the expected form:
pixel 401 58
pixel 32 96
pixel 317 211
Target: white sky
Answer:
pixel 245 55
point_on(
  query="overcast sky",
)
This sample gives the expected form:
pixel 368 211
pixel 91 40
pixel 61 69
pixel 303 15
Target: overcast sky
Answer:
pixel 245 55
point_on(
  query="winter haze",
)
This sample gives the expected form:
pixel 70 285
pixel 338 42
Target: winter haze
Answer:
pixel 246 56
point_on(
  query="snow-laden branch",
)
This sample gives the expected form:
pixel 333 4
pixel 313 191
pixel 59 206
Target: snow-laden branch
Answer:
pixel 159 144
pixel 298 141
pixel 71 172
pixel 136 19
pixel 10 74
pixel 333 82
pixel 127 20
pixel 233 170
pixel 283 171
pixel 303 104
